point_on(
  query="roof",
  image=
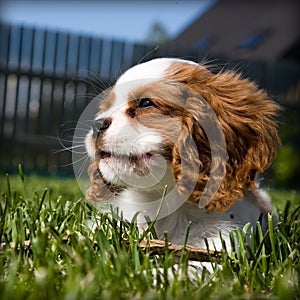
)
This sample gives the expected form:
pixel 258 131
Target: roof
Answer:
pixel 264 30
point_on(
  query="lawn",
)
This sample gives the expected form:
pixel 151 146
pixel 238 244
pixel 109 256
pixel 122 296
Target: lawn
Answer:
pixel 48 251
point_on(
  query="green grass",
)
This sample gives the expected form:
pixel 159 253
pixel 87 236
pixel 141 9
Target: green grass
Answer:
pixel 66 260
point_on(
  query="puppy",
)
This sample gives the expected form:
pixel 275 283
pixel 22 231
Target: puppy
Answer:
pixel 181 145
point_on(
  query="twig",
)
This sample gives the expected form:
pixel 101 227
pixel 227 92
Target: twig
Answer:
pixel 194 253
pixel 155 247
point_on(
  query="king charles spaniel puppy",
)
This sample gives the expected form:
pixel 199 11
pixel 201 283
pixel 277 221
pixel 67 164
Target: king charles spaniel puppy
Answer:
pixel 177 143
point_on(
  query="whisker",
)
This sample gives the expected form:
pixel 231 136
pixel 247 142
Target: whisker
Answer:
pixel 79 135
pixel 81 169
pixel 92 81
pixel 78 138
pixel 70 149
pixel 95 82
pixel 84 157
pixel 76 123
pixel 62 142
pixel 154 49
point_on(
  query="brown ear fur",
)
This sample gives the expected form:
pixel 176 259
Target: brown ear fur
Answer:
pixel 246 116
pixel 99 190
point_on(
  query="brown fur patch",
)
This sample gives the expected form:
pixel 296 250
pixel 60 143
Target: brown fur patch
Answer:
pixel 107 99
pixel 246 116
pixel 99 189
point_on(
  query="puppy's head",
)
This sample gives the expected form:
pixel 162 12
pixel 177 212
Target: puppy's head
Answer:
pixel 172 122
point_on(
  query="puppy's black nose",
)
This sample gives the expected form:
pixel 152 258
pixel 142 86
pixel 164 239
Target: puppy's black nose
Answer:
pixel 100 125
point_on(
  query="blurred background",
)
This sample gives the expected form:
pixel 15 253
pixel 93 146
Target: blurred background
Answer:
pixel 55 56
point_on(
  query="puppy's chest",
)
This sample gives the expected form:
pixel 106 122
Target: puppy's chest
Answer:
pixel 188 221
pixel 194 225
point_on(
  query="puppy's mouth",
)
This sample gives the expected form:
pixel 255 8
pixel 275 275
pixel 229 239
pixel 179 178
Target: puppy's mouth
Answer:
pixel 125 164
pixel 104 155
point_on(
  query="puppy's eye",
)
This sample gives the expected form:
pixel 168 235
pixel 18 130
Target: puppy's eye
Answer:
pixel 144 102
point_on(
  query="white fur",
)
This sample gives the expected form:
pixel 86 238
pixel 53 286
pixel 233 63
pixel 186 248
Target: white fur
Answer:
pixel 152 70
pixel 202 224
pixel 89 145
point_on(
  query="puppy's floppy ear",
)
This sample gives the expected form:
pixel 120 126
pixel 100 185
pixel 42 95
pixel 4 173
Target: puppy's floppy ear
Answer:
pixel 99 190
pixel 199 155
pixel 246 115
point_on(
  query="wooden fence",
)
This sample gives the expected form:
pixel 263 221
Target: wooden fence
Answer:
pixel 46 80
pixel 48 77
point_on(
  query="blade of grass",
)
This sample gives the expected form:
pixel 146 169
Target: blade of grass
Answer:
pixel 274 249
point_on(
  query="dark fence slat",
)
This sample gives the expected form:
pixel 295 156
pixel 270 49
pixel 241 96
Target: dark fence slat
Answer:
pixel 61 54
pixel 19 59
pixel 32 42
pixel 5 56
pixel 89 54
pixel 117 57
pixel 65 70
pixel 96 45
pixel 41 88
pixel 49 115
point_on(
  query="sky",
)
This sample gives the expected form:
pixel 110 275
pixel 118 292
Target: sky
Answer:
pixel 127 20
